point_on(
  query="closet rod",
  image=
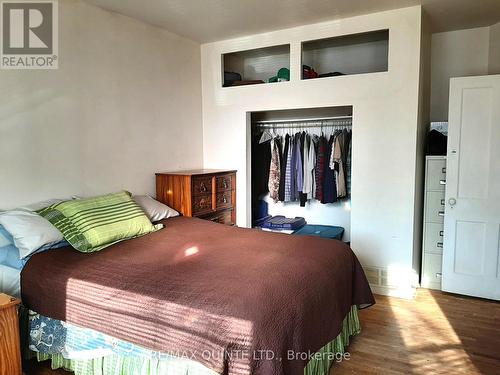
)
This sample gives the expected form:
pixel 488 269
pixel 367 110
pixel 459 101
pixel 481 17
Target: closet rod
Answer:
pixel 303 120
pixel 297 126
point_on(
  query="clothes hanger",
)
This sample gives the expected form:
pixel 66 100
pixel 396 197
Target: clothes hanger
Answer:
pixel 266 136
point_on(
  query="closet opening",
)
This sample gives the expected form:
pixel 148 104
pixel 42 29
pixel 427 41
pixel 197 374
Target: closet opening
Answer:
pixel 301 162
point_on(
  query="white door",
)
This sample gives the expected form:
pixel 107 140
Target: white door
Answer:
pixel 471 254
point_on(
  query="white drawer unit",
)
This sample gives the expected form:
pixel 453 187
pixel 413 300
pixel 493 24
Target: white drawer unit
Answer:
pixel 434 207
pixel 434 203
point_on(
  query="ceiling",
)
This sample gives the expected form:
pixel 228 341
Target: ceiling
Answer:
pixel 211 20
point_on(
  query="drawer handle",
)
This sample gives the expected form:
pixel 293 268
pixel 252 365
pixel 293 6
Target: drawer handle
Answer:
pixel 224 184
pixel 442 182
pixel 442 202
pixel 224 199
pixel 441 213
pixel 203 187
pixel 439 275
pixel 440 245
pixel 443 170
pixel 441 233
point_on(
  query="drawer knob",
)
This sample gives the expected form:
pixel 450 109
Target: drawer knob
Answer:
pixel 224 184
pixel 442 182
pixel 440 245
pixel 452 201
pixel 441 233
pixel 224 199
pixel 203 187
pixel 441 213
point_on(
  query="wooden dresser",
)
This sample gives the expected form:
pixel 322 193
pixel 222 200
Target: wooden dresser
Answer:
pixel 10 353
pixel 204 193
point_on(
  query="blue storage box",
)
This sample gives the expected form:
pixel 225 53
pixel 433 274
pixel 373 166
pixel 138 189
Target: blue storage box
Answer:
pixel 324 231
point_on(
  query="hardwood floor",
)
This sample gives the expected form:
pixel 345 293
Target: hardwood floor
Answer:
pixel 436 333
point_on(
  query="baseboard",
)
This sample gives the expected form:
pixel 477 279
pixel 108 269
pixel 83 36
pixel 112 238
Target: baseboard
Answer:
pixel 405 293
pixel 395 284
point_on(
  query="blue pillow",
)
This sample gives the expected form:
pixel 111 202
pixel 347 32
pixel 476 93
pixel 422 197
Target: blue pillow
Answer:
pixel 9 253
pixel 11 258
pixel 5 242
pixel 5 237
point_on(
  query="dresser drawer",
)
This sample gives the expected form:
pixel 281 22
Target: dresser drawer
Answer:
pixel 224 200
pixel 224 183
pixel 434 209
pixel 431 275
pixel 221 217
pixel 433 240
pixel 202 185
pixel 202 204
pixel 436 174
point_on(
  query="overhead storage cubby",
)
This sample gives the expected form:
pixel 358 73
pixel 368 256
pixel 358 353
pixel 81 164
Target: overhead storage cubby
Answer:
pixel 345 55
pixel 261 65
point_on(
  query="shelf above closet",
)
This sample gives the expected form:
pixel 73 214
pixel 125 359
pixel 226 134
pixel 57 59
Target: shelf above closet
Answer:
pixel 261 65
pixel 346 55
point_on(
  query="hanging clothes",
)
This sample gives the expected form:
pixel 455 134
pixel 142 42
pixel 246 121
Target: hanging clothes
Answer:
pixel 348 166
pixel 320 166
pixel 339 165
pixel 329 184
pixel 293 162
pixel 274 172
pixel 309 162
pixel 304 166
pixel 345 155
pixel 304 154
pixel 314 145
pixel 288 169
pixel 261 159
pixel 283 160
pixel 298 166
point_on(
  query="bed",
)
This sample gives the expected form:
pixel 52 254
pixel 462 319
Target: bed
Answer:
pixel 212 298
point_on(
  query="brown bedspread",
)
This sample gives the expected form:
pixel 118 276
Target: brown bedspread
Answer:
pixel 236 300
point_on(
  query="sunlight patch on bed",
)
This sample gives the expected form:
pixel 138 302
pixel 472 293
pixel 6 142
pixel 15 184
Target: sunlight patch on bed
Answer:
pixel 186 329
pixel 191 251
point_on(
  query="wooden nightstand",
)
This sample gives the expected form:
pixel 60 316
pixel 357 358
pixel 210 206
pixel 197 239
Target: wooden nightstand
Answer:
pixel 10 353
pixel 208 194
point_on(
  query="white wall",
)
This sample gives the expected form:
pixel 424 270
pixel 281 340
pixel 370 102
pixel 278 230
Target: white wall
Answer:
pixel 385 123
pixel 124 104
pixel 455 54
pixel 494 58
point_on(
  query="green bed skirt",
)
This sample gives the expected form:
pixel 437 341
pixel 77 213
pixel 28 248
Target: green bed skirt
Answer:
pixel 319 364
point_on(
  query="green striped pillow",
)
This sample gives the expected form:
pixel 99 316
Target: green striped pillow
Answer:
pixel 92 224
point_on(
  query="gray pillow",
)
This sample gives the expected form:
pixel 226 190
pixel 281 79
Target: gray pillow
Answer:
pixel 153 209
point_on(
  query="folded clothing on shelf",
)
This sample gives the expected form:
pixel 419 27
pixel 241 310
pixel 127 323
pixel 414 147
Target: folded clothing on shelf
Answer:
pixel 284 223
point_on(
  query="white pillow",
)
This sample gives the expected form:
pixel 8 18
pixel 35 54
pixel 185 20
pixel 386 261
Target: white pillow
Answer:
pixel 153 209
pixel 29 230
pixel 42 204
